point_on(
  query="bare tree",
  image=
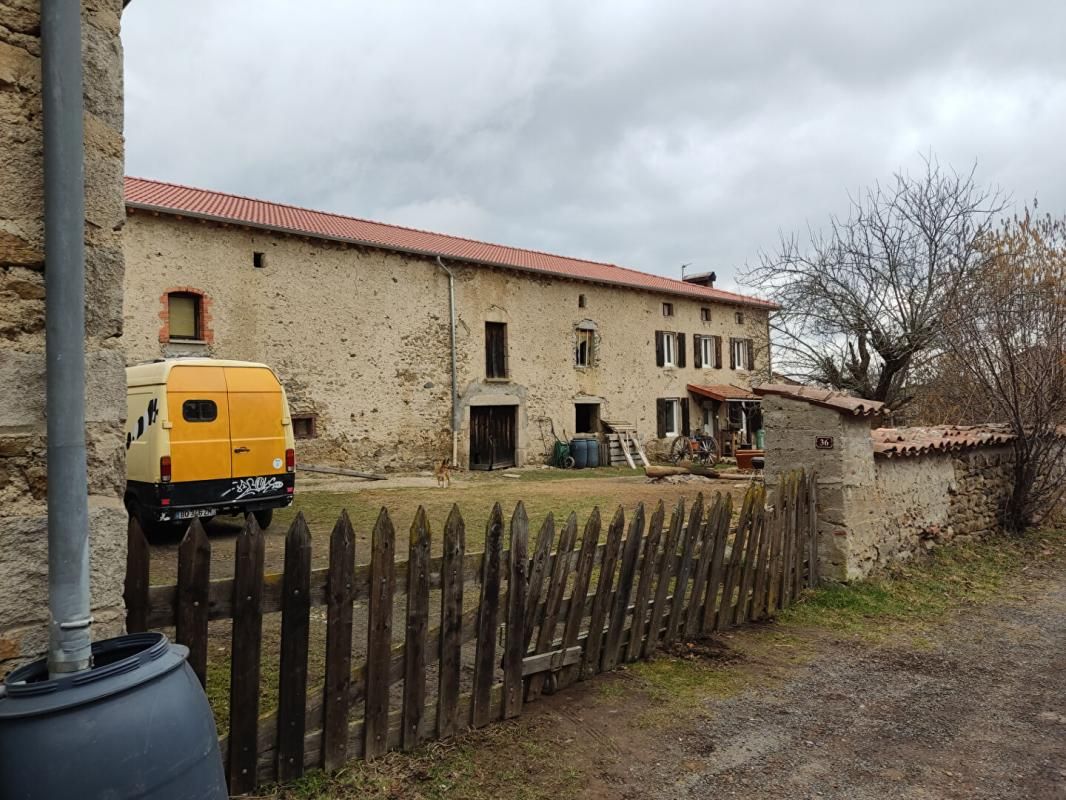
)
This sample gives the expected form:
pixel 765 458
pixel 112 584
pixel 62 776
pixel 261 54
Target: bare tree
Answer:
pixel 862 302
pixel 1005 356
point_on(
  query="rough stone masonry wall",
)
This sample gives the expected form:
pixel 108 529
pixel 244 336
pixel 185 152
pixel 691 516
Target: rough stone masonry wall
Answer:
pixel 23 521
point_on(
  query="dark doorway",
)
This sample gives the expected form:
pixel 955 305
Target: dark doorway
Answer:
pixel 492 437
pixel 586 417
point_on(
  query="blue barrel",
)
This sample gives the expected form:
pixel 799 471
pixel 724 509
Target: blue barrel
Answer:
pixel 594 452
pixel 579 450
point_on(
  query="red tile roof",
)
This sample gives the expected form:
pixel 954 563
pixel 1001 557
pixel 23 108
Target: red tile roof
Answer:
pixel 172 198
pixel 827 398
pixel 896 442
pixel 722 391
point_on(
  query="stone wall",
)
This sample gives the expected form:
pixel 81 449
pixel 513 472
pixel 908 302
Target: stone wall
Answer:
pixel 23 470
pixel 359 337
pixel 874 510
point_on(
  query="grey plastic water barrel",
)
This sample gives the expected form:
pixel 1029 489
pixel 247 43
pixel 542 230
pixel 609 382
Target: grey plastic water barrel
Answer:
pixel 593 452
pixel 579 450
pixel 137 725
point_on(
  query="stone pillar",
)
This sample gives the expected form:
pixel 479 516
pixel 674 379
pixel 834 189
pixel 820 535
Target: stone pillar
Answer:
pixel 839 448
pixel 23 520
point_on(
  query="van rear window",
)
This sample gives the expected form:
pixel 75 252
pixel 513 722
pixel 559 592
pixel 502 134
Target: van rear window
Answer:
pixel 199 410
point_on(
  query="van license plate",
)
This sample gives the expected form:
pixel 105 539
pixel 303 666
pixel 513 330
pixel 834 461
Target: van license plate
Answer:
pixel 189 513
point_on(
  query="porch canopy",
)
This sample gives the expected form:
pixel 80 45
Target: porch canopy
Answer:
pixel 724 392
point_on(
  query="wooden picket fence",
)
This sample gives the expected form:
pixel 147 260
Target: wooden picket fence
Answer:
pixel 562 614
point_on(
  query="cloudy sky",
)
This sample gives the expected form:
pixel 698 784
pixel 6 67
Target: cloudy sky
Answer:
pixel 647 134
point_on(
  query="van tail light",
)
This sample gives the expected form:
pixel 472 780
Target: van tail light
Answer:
pixel 290 460
pixel 164 469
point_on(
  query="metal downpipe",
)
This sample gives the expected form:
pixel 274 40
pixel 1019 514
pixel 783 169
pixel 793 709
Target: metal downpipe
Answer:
pixel 64 241
pixel 455 371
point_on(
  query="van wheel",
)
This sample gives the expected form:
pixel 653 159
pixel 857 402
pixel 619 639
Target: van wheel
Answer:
pixel 263 518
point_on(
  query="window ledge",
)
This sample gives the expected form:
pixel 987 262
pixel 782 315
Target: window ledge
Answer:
pixel 173 340
pixel 497 380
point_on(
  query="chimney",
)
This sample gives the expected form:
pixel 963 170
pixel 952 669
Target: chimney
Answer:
pixel 702 279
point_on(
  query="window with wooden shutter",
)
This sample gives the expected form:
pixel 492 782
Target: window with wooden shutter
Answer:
pixel 697 350
pixel 732 353
pixel 683 403
pixel 495 350
pixel 660 418
pixel 680 349
pixel 718 352
pixel 183 315
pixel 660 357
pixel 750 344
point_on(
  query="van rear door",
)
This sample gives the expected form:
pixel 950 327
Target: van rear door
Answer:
pixel 255 413
pixel 198 414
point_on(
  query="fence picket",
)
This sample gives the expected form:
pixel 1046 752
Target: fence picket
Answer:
pixel 666 571
pixel 538 571
pixel 135 589
pixel 245 658
pixel 675 623
pixel 716 572
pixel 590 663
pixel 582 577
pixel 487 621
pixel 414 682
pixel 761 587
pixel 338 643
pixel 799 525
pixel 194 574
pixel 292 674
pixel 812 532
pixel 379 637
pixel 701 569
pixel 612 652
pixel 788 548
pixel 552 604
pixel 517 585
pixel 648 566
pixel 736 556
pixel 777 559
pixel 751 550
pixel 451 624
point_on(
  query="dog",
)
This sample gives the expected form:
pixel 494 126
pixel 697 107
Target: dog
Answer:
pixel 441 473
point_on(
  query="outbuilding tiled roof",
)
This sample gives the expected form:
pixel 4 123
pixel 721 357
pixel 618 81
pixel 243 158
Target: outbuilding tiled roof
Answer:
pixel 170 198
pixel 722 391
pixel 901 442
pixel 827 398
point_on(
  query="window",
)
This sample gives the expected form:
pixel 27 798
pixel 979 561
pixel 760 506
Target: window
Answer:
pixel 258 260
pixel 496 350
pixel 741 355
pixel 581 301
pixel 705 315
pixel 669 349
pixel 183 312
pixel 669 345
pixel 199 411
pixel 668 309
pixel 586 417
pixel 739 317
pixel 670 415
pixel 707 355
pixel 584 351
pixel 304 426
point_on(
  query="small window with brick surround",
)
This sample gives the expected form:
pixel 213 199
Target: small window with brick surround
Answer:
pixel 185 313
pixel 303 426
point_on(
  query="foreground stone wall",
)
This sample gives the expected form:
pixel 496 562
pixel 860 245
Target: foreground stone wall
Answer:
pixel 873 510
pixel 23 469
pixel 360 338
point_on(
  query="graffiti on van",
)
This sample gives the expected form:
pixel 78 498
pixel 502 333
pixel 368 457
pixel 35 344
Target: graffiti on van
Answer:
pixel 246 487
pixel 143 422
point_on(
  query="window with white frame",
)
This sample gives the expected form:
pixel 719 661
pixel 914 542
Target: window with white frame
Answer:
pixel 585 347
pixel 672 417
pixel 707 351
pixel 740 353
pixel 669 350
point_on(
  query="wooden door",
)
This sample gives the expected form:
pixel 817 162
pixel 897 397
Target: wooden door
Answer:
pixel 492 437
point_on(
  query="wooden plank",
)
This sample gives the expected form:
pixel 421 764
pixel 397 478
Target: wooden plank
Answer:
pixel 292 673
pixel 761 583
pixel 379 636
pixel 451 625
pixel 799 525
pixel 625 451
pixel 751 552
pixel 812 574
pixel 338 644
pixel 560 572
pixel 648 565
pixel 194 573
pixel 774 601
pixel 640 451
pixel 537 571
pixel 684 570
pixel 488 618
pixel 717 568
pixel 612 651
pixel 517 587
pixel 244 661
pixel 666 571
pixel 701 569
pixel 590 664
pixel 735 562
pixel 582 577
pixel 552 660
pixel 135 589
pixel 788 549
pixel 414 682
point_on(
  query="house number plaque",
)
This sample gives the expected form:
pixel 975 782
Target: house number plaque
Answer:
pixel 823 442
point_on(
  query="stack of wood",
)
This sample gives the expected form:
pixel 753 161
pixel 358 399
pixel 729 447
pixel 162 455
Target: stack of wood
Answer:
pixel 623 445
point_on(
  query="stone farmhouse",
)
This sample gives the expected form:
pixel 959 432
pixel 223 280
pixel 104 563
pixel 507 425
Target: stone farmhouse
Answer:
pixel 359 320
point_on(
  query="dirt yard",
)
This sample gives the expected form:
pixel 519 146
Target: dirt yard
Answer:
pixel 947 680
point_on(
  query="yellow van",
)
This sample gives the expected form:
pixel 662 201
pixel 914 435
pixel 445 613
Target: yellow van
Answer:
pixel 206 437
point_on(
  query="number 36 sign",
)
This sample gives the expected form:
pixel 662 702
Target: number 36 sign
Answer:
pixel 823 442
